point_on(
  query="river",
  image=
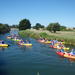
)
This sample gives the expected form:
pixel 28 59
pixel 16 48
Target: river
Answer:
pixel 39 59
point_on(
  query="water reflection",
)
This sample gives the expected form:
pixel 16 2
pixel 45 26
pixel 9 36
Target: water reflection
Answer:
pixel 72 60
pixel 2 48
pixel 3 71
pixel 38 73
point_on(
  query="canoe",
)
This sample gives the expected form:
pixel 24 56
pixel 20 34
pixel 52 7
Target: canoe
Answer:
pixel 24 44
pixel 66 48
pixel 3 45
pixel 51 46
pixel 47 42
pixel 56 44
pixel 54 47
pixel 60 53
pixel 67 55
pixel 42 41
pixel 16 40
pixel 63 42
pixel 59 48
pixel 8 37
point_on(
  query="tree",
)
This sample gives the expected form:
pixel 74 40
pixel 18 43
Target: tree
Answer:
pixel 4 28
pixel 62 28
pixel 24 24
pixel 7 27
pixel 53 27
pixel 38 25
pixel 14 26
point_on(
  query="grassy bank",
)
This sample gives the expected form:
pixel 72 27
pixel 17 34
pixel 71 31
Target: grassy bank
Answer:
pixel 67 36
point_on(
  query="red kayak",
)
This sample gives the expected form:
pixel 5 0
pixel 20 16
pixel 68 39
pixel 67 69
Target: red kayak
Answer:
pixel 60 53
pixel 42 41
pixel 51 46
pixel 66 55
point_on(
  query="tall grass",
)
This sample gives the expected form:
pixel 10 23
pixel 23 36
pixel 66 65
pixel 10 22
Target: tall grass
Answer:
pixel 27 33
pixel 67 36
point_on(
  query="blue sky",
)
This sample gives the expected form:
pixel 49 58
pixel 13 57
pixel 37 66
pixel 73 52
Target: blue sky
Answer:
pixel 38 11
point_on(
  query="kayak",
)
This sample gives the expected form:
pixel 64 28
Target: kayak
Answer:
pixel 42 41
pixel 54 47
pixel 8 37
pixel 60 53
pixel 51 46
pixel 57 47
pixel 24 44
pixel 47 42
pixel 63 42
pixel 56 44
pixel 3 45
pixel 16 40
pixel 67 55
pixel 66 48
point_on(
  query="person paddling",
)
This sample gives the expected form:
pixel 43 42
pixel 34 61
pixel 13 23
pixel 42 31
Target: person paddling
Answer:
pixel 72 52
pixel 1 41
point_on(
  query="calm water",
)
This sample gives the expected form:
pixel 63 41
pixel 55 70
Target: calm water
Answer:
pixel 39 59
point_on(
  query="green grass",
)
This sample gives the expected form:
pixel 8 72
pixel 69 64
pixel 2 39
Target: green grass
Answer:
pixel 67 36
pixel 27 33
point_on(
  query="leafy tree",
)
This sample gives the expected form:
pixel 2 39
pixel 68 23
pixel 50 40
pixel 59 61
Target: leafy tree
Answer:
pixel 4 28
pixel 53 27
pixel 62 28
pixel 14 26
pixel 38 25
pixel 1 28
pixel 24 24
pixel 74 28
pixel 7 27
pixel 50 27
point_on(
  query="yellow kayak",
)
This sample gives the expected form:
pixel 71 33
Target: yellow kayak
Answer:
pixel 8 37
pixel 26 44
pixel 56 44
pixel 47 42
pixel 16 40
pixel 3 45
pixel 67 55
pixel 63 42
pixel 66 48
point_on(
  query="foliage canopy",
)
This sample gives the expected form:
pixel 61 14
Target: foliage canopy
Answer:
pixel 24 24
pixel 38 26
pixel 4 28
pixel 53 27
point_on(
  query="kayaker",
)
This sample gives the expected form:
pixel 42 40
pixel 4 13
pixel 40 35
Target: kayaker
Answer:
pixel 72 52
pixel 62 50
pixel 29 41
pixel 21 41
pixel 62 46
pixel 15 38
pixel 26 41
pixel 2 42
pixel 62 40
pixel 58 46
